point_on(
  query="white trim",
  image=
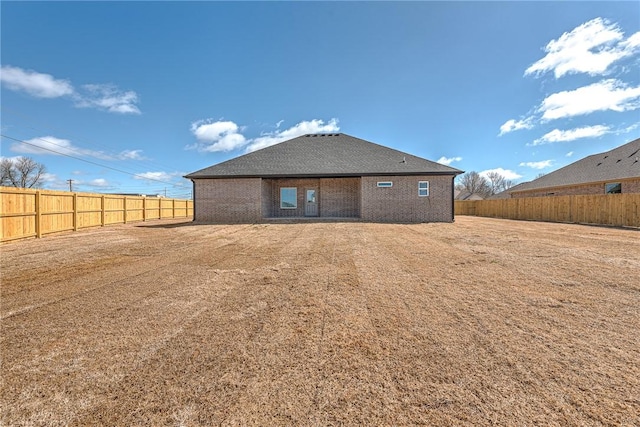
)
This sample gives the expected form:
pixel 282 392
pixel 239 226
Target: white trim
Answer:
pixel 421 189
pixel 385 184
pixel 295 205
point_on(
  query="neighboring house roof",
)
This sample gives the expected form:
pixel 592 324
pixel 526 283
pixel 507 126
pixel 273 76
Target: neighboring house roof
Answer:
pixel 465 195
pixel 315 155
pixel 506 194
pixel 620 163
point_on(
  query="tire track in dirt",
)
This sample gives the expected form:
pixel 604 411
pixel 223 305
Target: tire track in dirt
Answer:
pixel 54 348
pixel 330 324
pixel 499 351
pixel 227 370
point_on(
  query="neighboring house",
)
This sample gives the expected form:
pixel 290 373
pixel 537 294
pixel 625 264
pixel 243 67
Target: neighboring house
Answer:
pixel 327 176
pixel 465 195
pixel 506 194
pixel 160 196
pixel 615 171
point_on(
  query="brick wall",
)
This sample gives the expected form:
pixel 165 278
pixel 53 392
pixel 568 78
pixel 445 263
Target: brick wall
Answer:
pixel 228 200
pixel 628 186
pixel 631 186
pixel 337 197
pixel 340 197
pixel 273 203
pixel 252 199
pixel 401 203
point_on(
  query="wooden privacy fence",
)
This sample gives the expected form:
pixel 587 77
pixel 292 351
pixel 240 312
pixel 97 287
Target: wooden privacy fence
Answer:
pixel 35 213
pixel 622 210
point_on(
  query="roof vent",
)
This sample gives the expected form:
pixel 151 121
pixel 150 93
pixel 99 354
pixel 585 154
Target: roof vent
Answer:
pixel 599 164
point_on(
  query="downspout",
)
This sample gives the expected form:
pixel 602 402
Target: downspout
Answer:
pixel 453 204
pixel 194 199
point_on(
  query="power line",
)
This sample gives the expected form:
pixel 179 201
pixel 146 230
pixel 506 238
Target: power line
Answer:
pixel 27 118
pixel 135 175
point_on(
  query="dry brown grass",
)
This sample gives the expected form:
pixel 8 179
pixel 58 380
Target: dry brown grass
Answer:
pixel 481 322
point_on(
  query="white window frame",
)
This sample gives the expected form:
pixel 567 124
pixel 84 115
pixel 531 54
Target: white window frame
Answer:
pixel 421 189
pixel 385 184
pixel 295 204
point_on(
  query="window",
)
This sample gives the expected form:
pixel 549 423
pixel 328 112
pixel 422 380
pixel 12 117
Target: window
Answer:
pixel 385 184
pixel 288 198
pixel 613 188
pixel 423 188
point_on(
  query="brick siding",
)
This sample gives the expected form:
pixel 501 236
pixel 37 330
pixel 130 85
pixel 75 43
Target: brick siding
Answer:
pixel 628 186
pixel 340 197
pixel 401 203
pixel 245 200
pixel 227 200
pixel 337 197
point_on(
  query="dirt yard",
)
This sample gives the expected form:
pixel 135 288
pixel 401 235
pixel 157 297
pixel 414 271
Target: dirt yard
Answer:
pixel 480 322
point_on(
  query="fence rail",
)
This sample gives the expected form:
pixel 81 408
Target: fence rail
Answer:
pixel 622 210
pixel 35 213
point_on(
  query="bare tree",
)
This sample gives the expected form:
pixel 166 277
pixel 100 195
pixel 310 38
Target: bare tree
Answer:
pixel 22 172
pixel 6 170
pixel 498 183
pixel 495 181
pixel 474 183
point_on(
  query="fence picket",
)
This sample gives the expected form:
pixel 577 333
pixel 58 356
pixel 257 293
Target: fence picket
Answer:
pixel 620 210
pixel 35 213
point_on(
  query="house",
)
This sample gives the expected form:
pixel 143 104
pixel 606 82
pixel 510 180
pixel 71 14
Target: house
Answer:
pixel 465 195
pixel 615 171
pixel 324 176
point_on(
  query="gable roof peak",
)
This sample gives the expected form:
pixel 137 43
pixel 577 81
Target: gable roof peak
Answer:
pixel 324 154
pixel 320 134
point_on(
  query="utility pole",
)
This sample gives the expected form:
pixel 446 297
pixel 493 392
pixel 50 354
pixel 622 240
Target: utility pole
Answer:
pixel 70 181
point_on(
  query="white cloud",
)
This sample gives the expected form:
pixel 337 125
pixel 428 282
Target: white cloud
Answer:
pixel 131 155
pixel 558 135
pixel 589 48
pixel 506 173
pixel 99 183
pixel 49 178
pixel 157 176
pixel 569 154
pixel 538 165
pixel 107 97
pixel 302 128
pixel 34 83
pixel 605 95
pixel 226 135
pixel 45 145
pixel 628 129
pixel 217 135
pixel 448 160
pixel 511 125
pixel 51 145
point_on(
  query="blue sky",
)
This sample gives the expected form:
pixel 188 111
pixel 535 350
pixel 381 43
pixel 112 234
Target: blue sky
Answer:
pixel 131 96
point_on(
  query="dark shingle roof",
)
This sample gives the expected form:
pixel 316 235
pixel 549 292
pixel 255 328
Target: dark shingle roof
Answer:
pixel 315 155
pixel 620 163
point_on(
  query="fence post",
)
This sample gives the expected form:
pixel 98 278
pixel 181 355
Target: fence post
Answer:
pixel 144 209
pixel 124 205
pixel 102 208
pixel 38 216
pixel 75 211
pixel 173 207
